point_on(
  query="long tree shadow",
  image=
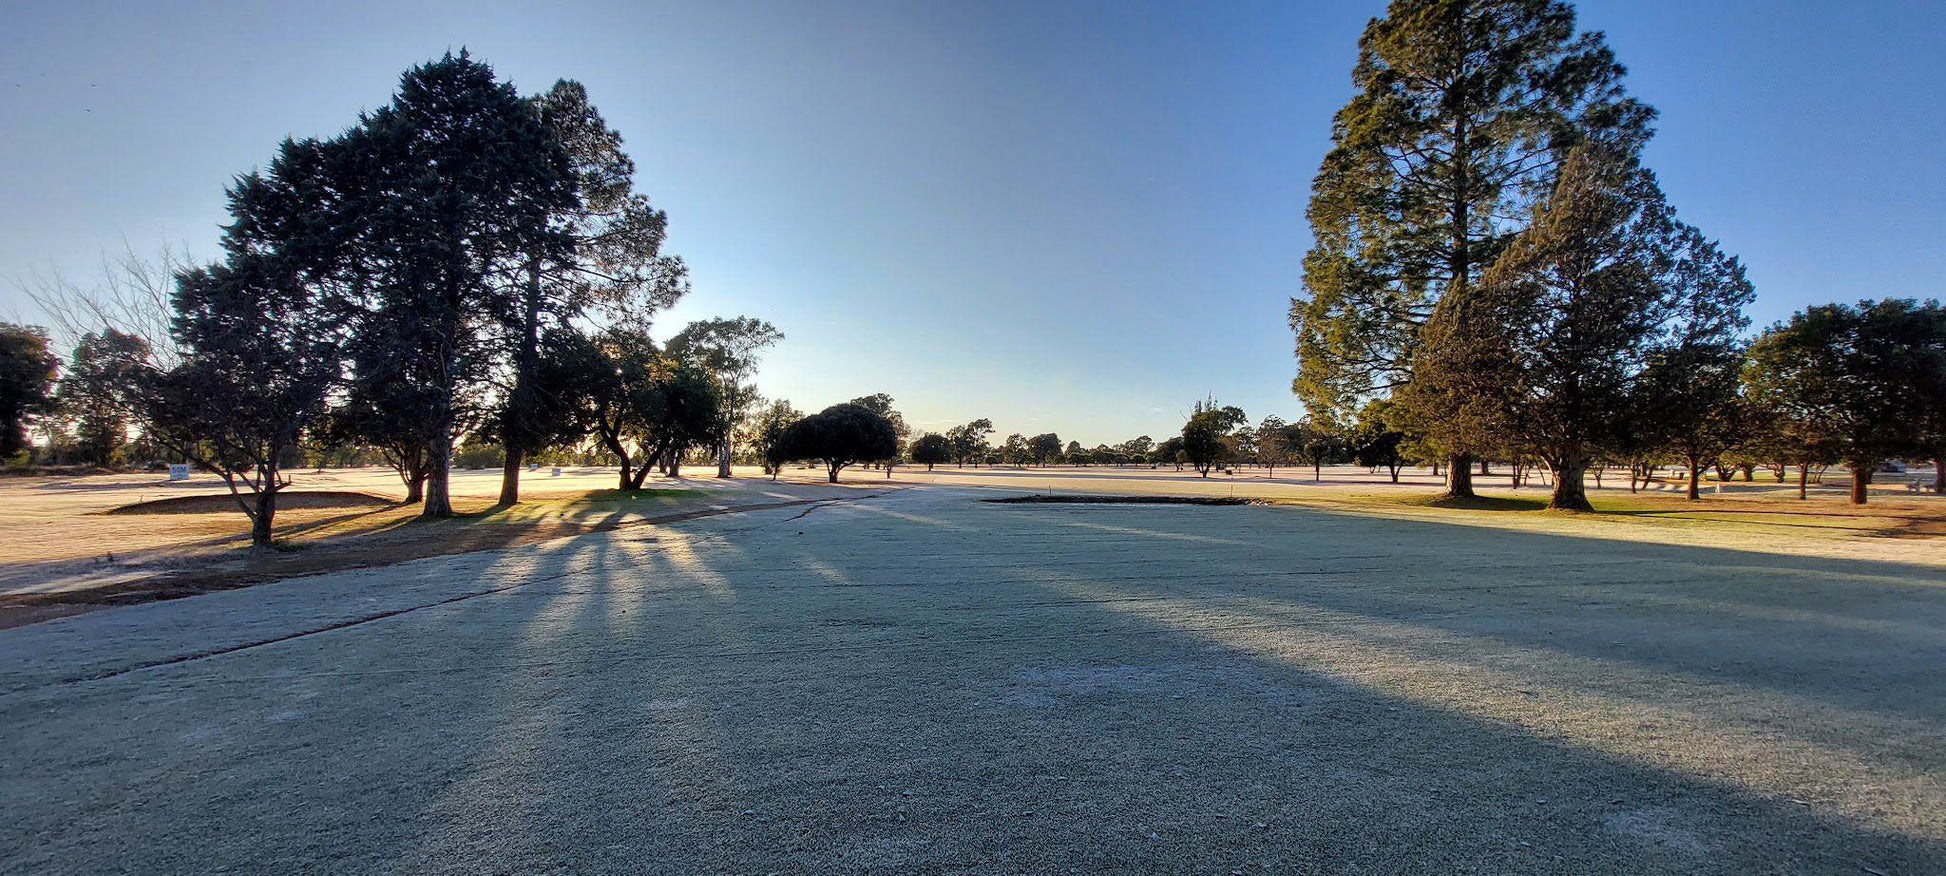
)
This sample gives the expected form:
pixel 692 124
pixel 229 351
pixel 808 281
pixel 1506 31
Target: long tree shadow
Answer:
pixel 916 687
pixel 1878 627
pixel 1356 771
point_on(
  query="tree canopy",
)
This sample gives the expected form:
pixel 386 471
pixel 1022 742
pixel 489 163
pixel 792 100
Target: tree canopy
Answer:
pixel 1854 381
pixel 1462 114
pixel 840 436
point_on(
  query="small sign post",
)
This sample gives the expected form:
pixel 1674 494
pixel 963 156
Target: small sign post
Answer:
pixel 178 471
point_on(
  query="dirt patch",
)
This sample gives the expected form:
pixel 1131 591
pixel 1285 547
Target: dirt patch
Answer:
pixel 1063 499
pixel 285 502
pixel 1916 527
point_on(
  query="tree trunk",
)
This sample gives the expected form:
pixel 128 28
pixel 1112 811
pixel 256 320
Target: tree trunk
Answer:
pixel 520 403
pixel 1570 491
pixel 1939 476
pixel 510 474
pixel 1695 477
pixel 415 486
pixel 1803 479
pixel 1459 476
pixel 439 472
pixel 1861 478
pixel 266 513
pixel 833 467
pixel 723 459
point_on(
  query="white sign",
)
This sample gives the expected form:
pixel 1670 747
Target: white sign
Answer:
pixel 178 471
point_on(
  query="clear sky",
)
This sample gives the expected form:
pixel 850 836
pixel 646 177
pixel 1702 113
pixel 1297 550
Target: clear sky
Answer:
pixel 1066 217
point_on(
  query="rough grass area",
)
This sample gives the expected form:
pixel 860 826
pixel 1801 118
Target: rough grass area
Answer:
pixel 286 501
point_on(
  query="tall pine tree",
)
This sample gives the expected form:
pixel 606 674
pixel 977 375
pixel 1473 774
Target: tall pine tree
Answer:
pixel 1463 114
pixel 605 255
pixel 462 187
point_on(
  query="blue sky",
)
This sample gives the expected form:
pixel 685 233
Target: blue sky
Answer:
pixel 1065 217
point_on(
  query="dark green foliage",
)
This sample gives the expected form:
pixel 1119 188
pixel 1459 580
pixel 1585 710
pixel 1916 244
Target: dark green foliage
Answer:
pixel 1555 354
pixel 261 351
pixel 1273 443
pixel 881 404
pixel 606 256
pixel 1686 400
pixel 28 367
pixel 931 449
pixel 101 391
pixel 260 333
pixel 766 429
pixel 1169 452
pixel 1854 383
pixel 1314 442
pixel 969 441
pixel 728 350
pixel 1377 441
pixel 647 408
pixel 1463 111
pixel 1202 441
pixel 457 190
pixel 839 436
pixel 1044 448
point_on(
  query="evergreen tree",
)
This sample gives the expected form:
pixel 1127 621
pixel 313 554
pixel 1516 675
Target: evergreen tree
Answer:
pixel 1202 438
pixel 28 367
pixel 1463 113
pixel 765 428
pixel 260 332
pixel 1853 383
pixel 1273 443
pixel 461 186
pixel 1687 399
pixel 604 253
pixel 1541 358
pixel 1377 440
pixel 930 449
pixel 1044 448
